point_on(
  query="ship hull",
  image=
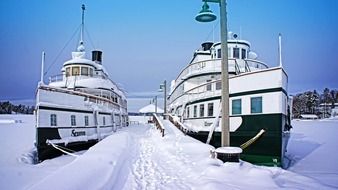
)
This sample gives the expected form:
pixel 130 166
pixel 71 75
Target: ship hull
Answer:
pixel 47 151
pixel 69 121
pixel 268 149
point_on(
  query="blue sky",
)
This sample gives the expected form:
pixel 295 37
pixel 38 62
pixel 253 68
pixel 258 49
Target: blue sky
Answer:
pixel 145 42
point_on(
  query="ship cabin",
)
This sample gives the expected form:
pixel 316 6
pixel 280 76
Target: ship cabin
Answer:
pixel 79 66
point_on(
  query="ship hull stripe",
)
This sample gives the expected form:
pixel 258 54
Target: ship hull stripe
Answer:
pixel 70 110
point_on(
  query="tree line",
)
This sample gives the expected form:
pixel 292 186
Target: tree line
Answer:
pixel 9 108
pixel 308 102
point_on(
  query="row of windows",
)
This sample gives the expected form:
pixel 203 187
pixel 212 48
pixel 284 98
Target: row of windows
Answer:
pixel 53 120
pixel 210 110
pixel 235 53
pixel 75 71
pixel 256 107
pixel 255 104
pixel 218 85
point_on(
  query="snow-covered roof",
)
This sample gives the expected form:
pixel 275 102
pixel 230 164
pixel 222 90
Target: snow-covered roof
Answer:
pixel 150 109
pixel 309 116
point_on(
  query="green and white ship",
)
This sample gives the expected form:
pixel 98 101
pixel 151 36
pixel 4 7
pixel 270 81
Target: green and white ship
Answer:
pixel 259 105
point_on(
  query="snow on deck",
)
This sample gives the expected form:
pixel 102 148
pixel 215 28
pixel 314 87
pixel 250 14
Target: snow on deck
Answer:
pixel 137 157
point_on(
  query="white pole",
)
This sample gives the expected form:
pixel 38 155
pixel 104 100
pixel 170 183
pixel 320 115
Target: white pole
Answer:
pixel 225 80
pixel 165 99
pixel 280 50
pixel 42 67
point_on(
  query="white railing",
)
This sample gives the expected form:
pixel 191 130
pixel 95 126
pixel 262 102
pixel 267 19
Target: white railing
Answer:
pixel 214 65
pixel 56 78
pixel 199 92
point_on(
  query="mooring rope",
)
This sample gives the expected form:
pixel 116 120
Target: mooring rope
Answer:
pixel 60 148
pixel 252 140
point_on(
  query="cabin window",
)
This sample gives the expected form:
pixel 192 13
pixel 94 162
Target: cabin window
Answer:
pixel 218 85
pixel 210 109
pixel 72 120
pixel 229 52
pixel 202 110
pixel 104 120
pixel 91 72
pixel 243 53
pixel 84 71
pixel 188 112
pixel 236 53
pixel 209 85
pixel 236 106
pixel 68 72
pixel 256 105
pixel 53 120
pixel 219 52
pixel 75 71
pixel 86 119
pixel 195 111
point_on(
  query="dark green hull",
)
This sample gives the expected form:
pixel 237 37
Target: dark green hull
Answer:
pixel 268 150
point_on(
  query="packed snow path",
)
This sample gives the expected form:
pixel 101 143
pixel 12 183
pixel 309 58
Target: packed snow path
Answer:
pixel 154 167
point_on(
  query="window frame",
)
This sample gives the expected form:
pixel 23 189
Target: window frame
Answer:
pixel 86 120
pixel 235 50
pixel 219 53
pixel 253 103
pixel 85 73
pixel 53 120
pixel 243 53
pixel 74 68
pixel 233 108
pixel 210 109
pixel 73 120
pixel 68 72
pixel 219 85
pixel 201 110
pixel 209 86
pixel 195 110
pixel 188 112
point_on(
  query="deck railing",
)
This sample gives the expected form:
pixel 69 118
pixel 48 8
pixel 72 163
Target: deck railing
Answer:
pixel 214 65
pixel 158 124
pixel 177 124
pixel 198 92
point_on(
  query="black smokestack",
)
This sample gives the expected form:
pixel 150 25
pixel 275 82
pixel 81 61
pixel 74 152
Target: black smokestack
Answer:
pixel 97 56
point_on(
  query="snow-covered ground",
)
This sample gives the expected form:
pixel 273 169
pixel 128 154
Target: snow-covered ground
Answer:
pixel 137 157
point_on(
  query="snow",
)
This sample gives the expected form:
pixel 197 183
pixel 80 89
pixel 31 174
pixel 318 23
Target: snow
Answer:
pixel 137 157
pixel 151 108
pixel 229 150
pixel 313 150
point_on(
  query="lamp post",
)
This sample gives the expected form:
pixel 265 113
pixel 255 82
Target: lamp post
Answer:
pixel 163 88
pixel 206 15
pixel 155 102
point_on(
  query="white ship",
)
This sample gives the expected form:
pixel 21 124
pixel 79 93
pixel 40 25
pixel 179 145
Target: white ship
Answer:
pixel 79 107
pixel 258 102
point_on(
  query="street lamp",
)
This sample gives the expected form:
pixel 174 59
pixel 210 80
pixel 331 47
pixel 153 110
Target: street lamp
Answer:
pixel 155 102
pixel 205 15
pixel 163 88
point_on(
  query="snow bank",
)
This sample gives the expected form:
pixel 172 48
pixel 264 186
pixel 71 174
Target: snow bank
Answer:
pixel 5 121
pixel 101 167
pixel 312 150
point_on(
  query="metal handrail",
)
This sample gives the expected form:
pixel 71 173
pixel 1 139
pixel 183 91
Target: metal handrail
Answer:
pixel 204 63
pixel 59 77
pixel 158 124
pixel 178 124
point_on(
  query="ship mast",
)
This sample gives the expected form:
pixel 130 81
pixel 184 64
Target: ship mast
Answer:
pixel 81 45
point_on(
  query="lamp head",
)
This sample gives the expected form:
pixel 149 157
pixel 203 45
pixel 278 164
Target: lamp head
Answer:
pixel 205 15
